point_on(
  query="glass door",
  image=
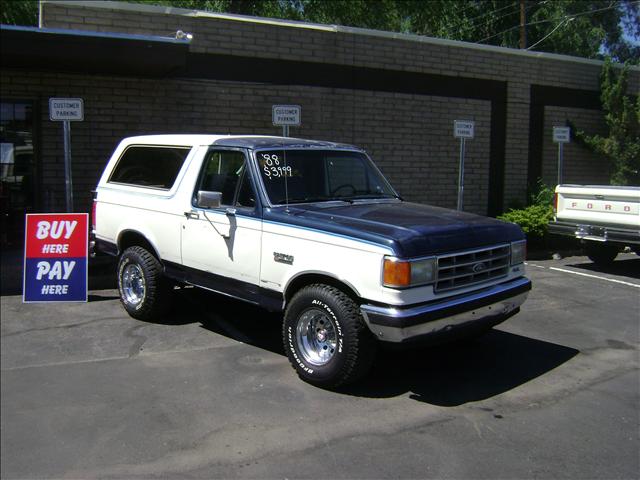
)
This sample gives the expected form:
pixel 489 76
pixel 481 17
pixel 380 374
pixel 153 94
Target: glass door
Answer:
pixel 17 169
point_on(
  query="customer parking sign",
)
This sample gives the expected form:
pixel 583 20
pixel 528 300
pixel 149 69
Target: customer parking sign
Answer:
pixel 55 260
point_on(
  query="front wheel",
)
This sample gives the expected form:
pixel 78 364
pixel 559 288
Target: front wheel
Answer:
pixel 144 293
pixel 325 337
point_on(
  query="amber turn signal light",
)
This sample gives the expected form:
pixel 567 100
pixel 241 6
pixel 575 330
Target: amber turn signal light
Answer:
pixel 397 273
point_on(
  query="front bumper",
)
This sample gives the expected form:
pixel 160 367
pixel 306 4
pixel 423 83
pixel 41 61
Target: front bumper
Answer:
pixel 484 308
pixel 596 233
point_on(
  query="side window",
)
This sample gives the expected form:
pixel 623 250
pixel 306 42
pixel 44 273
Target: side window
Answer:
pixel 149 166
pixel 224 171
pixel 246 196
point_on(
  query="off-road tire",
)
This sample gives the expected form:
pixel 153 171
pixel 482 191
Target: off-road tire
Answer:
pixel 355 346
pixel 154 290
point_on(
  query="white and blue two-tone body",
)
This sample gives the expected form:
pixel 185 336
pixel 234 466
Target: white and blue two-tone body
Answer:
pixel 264 249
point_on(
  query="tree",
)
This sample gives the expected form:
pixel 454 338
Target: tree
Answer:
pixel 622 115
pixel 572 27
pixel 19 12
pixel 585 28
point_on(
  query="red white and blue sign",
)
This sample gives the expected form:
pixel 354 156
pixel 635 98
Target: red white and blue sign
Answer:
pixel 55 257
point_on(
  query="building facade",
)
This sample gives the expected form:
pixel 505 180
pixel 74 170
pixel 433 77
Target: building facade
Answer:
pixel 395 95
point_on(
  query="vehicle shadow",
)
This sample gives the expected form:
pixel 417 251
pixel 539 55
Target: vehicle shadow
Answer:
pixel 95 297
pixel 457 373
pixel 231 318
pixel 628 267
pixel 445 375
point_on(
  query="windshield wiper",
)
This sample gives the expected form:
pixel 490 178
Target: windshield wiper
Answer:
pixel 349 199
pixel 311 199
pixel 368 196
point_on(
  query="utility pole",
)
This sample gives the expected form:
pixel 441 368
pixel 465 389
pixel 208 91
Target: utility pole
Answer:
pixel 523 28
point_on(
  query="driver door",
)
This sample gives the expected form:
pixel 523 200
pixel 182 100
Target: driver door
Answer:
pixel 222 246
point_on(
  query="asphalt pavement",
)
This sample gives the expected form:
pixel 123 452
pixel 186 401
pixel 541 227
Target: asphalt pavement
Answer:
pixel 87 392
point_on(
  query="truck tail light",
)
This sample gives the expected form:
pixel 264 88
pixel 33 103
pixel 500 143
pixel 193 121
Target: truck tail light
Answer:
pixel 93 215
pixel 555 202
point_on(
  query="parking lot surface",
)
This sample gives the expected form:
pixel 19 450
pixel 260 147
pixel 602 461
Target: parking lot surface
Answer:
pixel 554 392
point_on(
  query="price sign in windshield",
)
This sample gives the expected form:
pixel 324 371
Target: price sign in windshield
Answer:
pixel 272 165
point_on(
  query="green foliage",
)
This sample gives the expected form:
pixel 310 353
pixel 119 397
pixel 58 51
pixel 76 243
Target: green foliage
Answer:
pixel 19 12
pixel 583 28
pixel 573 27
pixel 622 115
pixel 543 195
pixel 534 218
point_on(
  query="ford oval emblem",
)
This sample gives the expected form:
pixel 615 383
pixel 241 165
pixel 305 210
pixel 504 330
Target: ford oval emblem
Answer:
pixel 479 267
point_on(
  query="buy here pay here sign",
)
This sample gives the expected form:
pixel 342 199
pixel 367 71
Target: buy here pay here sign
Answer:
pixel 55 260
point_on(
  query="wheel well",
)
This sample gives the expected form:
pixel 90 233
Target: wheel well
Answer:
pixel 302 281
pixel 132 238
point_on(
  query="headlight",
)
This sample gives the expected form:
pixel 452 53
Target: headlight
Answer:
pixel 403 273
pixel 518 252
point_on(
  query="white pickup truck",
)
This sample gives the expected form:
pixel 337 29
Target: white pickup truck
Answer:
pixel 604 218
pixel 308 228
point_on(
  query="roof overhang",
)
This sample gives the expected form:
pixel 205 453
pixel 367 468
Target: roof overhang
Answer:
pixel 91 52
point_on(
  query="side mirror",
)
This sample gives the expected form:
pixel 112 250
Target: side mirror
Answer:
pixel 209 199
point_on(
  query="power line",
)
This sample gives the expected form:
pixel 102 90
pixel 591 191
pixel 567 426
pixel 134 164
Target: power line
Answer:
pixel 505 15
pixel 581 14
pixel 564 22
pixel 515 7
pixel 473 19
pixel 565 17
pixel 459 23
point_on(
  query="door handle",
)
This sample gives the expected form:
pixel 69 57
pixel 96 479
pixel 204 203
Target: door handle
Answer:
pixel 192 214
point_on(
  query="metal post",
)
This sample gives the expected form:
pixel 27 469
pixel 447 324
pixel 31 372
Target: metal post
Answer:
pixel 285 130
pixel 67 165
pixel 461 175
pixel 560 161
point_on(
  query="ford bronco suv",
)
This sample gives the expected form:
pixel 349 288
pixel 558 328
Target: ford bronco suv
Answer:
pixel 308 228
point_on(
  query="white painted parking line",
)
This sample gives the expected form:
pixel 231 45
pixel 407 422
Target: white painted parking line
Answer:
pixel 534 265
pixel 564 270
pixel 612 280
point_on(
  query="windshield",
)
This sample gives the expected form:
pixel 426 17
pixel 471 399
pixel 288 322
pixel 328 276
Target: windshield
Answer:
pixel 321 175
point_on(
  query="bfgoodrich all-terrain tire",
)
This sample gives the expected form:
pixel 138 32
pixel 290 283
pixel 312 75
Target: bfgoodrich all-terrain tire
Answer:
pixel 325 337
pixel 144 292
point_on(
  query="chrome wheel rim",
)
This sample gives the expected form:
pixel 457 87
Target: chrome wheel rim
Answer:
pixel 316 336
pixel 133 285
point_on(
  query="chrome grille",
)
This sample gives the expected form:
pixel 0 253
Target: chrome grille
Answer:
pixel 473 267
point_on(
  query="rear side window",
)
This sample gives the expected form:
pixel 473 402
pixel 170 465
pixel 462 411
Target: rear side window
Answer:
pixel 149 166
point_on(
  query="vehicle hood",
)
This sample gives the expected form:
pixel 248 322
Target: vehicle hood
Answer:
pixel 409 229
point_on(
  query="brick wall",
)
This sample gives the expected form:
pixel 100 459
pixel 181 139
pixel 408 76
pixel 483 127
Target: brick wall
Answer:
pixel 516 153
pixel 580 165
pixel 216 34
pixel 420 160
pixel 410 136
